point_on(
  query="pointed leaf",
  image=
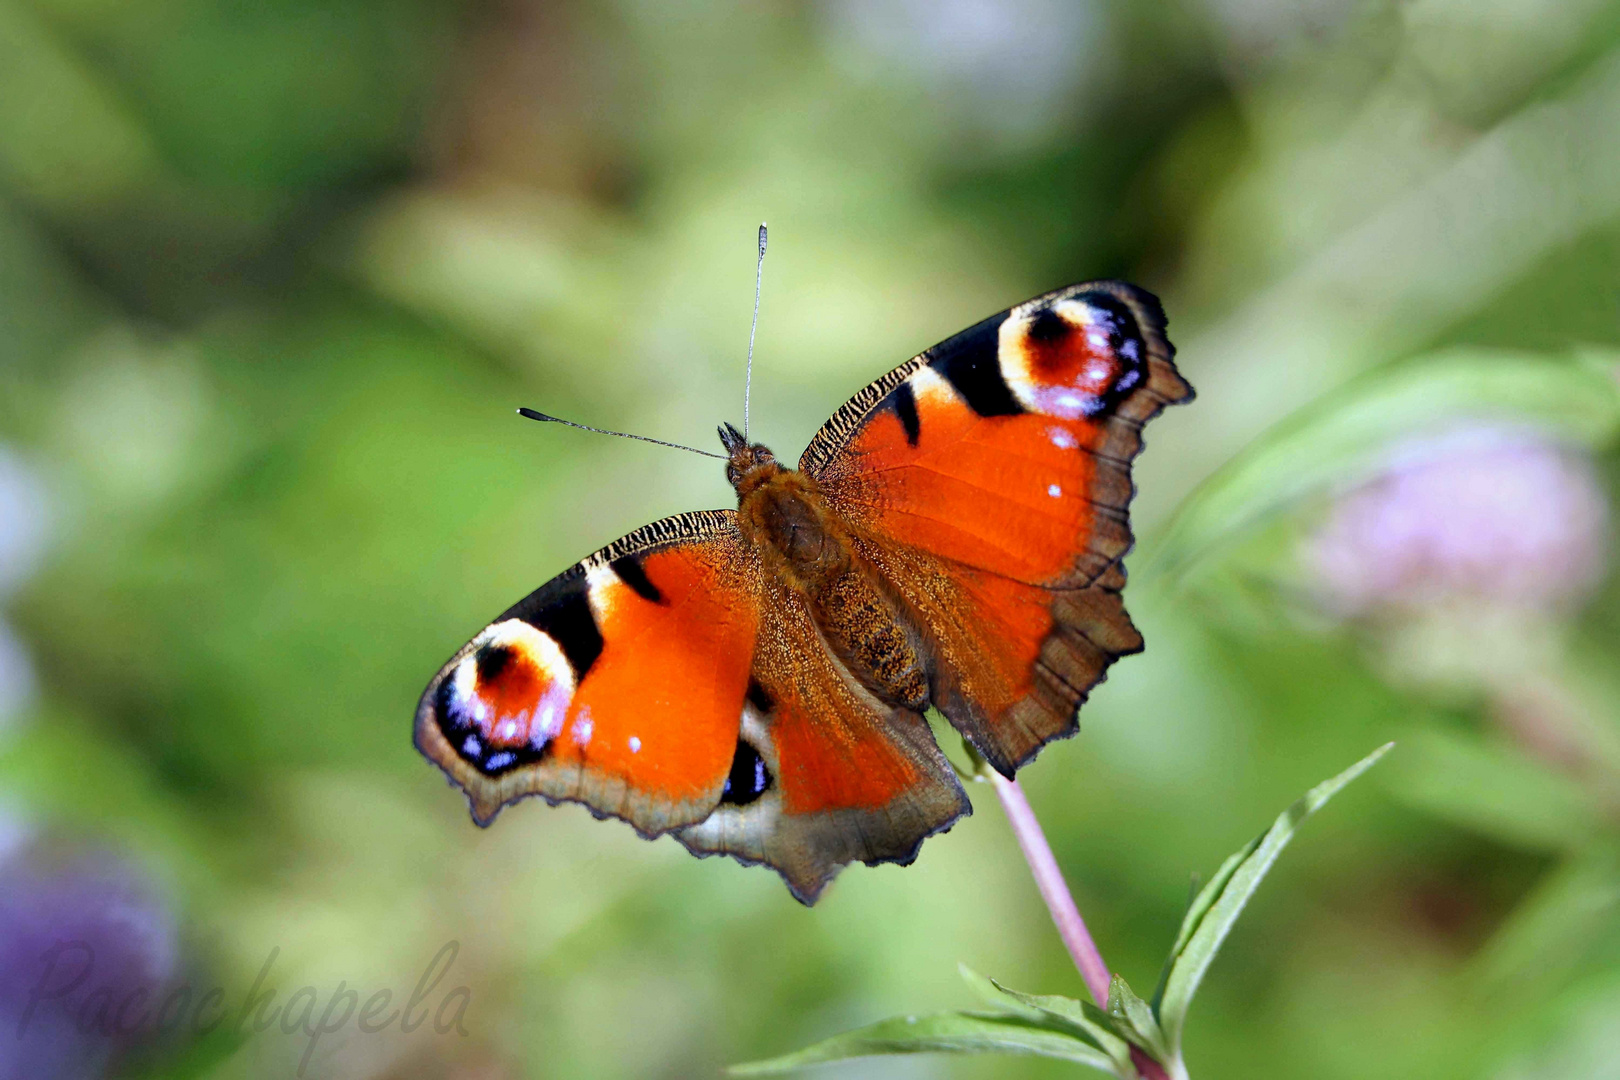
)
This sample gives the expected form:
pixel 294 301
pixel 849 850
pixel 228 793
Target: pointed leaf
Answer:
pixel 946 1033
pixel 1087 1021
pixel 1082 1015
pixel 993 993
pixel 1214 911
pixel 1134 1019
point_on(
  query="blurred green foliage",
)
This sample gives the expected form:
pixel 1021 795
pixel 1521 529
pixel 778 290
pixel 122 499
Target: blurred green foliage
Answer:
pixel 273 277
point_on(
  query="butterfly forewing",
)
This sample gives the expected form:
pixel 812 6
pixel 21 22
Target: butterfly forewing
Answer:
pixel 989 480
pixel 618 684
pixel 663 682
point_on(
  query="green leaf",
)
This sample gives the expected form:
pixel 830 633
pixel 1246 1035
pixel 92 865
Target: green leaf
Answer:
pixel 993 993
pixel 1345 435
pixel 1134 1019
pixel 1086 1020
pixel 944 1033
pixel 1199 903
pixel 1217 907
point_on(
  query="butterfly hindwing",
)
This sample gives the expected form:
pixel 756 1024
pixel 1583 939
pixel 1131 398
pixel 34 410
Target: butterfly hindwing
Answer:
pixel 840 777
pixel 989 479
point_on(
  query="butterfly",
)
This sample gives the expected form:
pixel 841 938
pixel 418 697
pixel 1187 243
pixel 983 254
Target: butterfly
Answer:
pixel 754 682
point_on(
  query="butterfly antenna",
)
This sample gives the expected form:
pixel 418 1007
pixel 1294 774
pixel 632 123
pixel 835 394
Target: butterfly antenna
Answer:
pixel 748 380
pixel 533 415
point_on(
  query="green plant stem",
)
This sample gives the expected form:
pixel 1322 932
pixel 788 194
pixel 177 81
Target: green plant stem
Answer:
pixel 1060 902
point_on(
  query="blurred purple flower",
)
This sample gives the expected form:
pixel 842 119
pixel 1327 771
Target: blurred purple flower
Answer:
pixel 87 949
pixel 1487 514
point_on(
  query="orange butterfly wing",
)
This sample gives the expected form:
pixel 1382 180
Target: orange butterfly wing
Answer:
pixel 664 682
pixel 989 480
pixel 618 684
pixel 854 779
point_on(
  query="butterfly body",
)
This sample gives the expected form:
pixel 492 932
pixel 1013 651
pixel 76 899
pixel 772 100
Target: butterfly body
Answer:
pixel 808 549
pixel 755 682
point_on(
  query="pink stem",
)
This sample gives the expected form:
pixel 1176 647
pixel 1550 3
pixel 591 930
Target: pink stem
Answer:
pixel 1049 879
pixel 1060 902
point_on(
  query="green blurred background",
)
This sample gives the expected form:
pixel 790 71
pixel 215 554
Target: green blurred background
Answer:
pixel 274 275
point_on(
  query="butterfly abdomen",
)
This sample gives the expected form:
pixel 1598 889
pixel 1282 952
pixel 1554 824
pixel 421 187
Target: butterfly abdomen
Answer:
pixel 868 631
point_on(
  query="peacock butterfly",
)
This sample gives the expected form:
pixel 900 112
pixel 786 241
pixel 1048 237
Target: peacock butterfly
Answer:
pixel 753 681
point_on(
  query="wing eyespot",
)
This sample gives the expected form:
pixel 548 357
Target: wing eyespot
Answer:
pixel 749 777
pixel 504 703
pixel 1074 357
